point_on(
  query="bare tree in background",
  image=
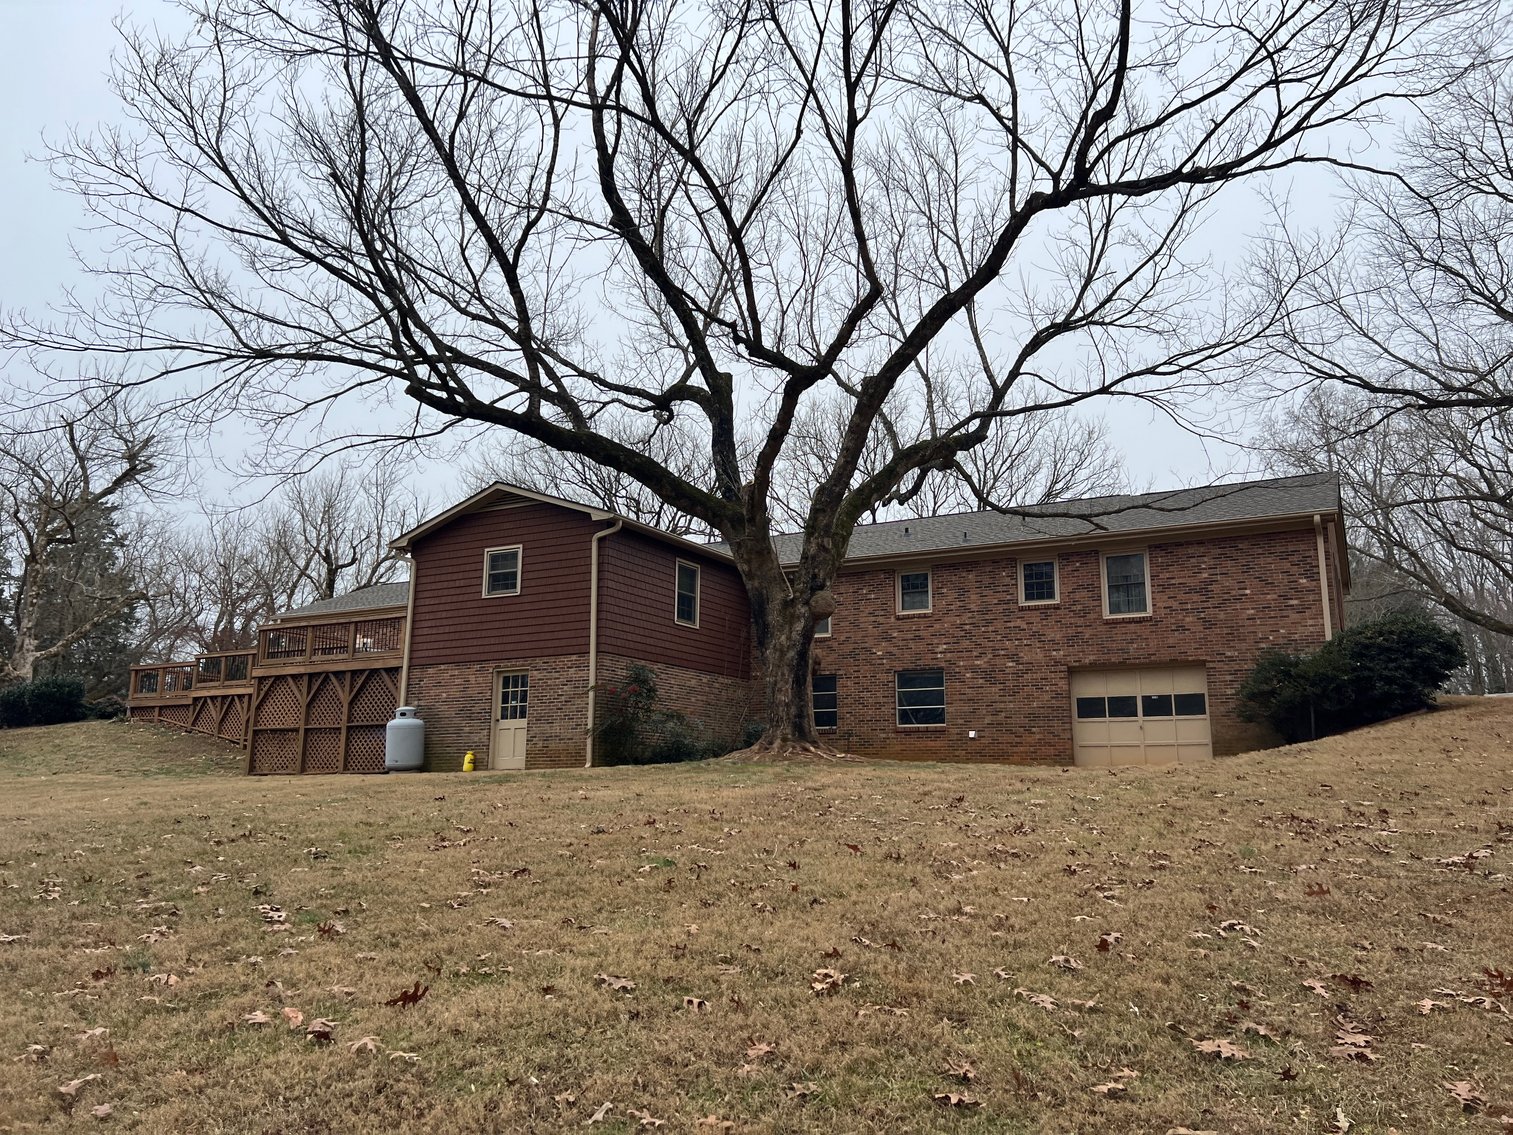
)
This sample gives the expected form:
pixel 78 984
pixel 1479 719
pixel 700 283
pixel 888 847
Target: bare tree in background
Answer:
pixel 543 216
pixel 62 484
pixel 1409 298
pixel 1428 496
pixel 324 534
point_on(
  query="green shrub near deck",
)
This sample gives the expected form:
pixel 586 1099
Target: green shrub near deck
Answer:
pixel 43 701
pixel 1369 672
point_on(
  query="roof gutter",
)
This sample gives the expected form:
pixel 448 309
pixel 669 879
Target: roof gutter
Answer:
pixel 404 668
pixel 1318 531
pixel 593 632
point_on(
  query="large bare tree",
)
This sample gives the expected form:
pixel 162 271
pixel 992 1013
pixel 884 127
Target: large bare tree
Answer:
pixel 542 215
pixel 64 480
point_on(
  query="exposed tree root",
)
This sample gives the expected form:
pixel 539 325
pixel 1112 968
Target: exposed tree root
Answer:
pixel 787 751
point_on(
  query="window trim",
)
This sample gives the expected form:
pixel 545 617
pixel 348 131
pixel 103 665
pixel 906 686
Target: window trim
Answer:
pixel 1150 606
pixel 1055 562
pixel 898 591
pixel 898 709
pixel 829 627
pixel 519 551
pixel 698 592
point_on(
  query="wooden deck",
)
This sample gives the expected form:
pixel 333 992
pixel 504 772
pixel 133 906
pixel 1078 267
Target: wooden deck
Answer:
pixel 315 695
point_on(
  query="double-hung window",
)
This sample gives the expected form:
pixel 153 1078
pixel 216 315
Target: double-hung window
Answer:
pixel 913 591
pixel 824 692
pixel 1037 582
pixel 687 604
pixel 501 571
pixel 921 697
pixel 1126 584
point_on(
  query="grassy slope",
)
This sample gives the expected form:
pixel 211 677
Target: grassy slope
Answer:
pixel 733 885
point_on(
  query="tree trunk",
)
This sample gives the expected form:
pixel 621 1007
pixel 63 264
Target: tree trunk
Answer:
pixel 783 625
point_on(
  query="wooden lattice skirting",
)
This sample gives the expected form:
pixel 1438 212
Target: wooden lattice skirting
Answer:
pixel 332 721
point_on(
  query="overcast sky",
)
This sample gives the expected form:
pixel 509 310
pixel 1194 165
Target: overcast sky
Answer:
pixel 54 55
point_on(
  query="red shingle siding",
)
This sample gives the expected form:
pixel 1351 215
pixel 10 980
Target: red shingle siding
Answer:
pixel 456 701
pixel 636 608
pixel 1219 602
pixel 455 623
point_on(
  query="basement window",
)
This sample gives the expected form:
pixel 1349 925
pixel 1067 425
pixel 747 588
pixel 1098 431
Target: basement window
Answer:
pixel 921 697
pixel 822 627
pixel 824 691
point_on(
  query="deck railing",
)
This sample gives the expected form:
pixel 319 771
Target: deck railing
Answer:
pixel 330 642
pixel 167 680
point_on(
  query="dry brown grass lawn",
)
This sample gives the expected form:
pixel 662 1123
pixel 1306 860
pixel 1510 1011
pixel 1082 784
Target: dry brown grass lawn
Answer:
pixel 149 920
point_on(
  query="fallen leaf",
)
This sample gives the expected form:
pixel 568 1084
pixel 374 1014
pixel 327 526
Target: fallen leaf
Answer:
pixel 598 1116
pixel 408 1057
pixel 827 981
pixel 1428 1005
pixel 257 1017
pixel 695 1004
pixel 964 978
pixel 643 1118
pixel 759 1049
pixel 1340 1124
pixel 101 1110
pixel 801 1090
pixel 364 1044
pixel 1108 940
pixel 406 998
pixel 1118 1085
pixel 959 1070
pixel 1043 1000
pixel 293 1016
pixel 1464 1090
pixel 715 1122
pixel 956 1099
pixel 617 984
pixel 1066 962
pixel 99 1033
pixel 321 1030
pixel 71 1089
pixel 1223 1049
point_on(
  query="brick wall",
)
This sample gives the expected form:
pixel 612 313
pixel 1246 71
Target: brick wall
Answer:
pixel 719 704
pixel 456 701
pixel 1218 602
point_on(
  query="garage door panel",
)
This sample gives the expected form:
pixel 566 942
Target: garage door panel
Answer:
pixel 1140 715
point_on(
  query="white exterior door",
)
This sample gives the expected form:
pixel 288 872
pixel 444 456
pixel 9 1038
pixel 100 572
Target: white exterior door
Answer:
pixel 1147 716
pixel 511 698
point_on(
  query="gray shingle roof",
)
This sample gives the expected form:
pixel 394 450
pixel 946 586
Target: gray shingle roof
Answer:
pixel 1145 512
pixel 363 599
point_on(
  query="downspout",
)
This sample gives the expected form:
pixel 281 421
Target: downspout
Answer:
pixel 593 632
pixel 404 668
pixel 1318 531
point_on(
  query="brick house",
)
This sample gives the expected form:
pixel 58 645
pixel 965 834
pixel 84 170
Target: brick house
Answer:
pixel 1114 630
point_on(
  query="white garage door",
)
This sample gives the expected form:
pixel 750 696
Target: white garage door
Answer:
pixel 1148 716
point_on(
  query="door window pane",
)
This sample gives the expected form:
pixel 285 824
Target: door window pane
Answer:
pixel 1091 709
pixel 1124 706
pixel 1156 705
pixel 514 693
pixel 1191 705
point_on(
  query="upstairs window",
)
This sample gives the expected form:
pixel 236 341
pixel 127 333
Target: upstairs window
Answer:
pixel 824 692
pixel 921 697
pixel 913 591
pixel 1037 581
pixel 501 571
pixel 687 608
pixel 1126 584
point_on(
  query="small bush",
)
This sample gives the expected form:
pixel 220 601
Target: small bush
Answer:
pixel 752 732
pixel 108 708
pixel 633 730
pixel 1370 672
pixel 44 701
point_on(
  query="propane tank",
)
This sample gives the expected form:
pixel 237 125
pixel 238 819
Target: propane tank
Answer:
pixel 469 761
pixel 405 742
